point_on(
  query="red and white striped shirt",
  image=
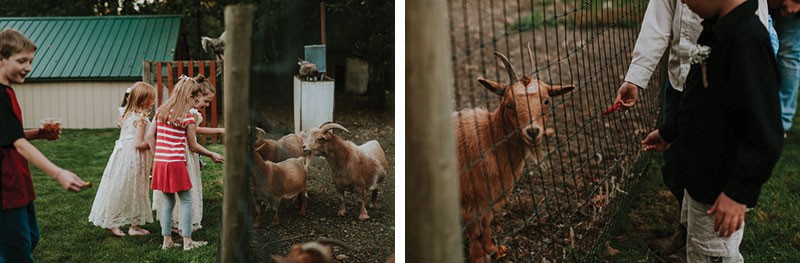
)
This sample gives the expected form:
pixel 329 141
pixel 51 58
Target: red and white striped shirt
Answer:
pixel 171 141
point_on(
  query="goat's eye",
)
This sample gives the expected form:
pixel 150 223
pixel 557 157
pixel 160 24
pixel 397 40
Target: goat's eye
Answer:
pixel 320 139
pixel 510 106
pixel 546 102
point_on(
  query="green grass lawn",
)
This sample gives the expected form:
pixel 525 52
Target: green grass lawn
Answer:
pixel 772 231
pixel 68 236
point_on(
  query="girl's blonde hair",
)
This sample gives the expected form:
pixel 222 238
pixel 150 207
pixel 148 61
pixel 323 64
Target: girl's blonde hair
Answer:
pixel 178 105
pixel 140 94
pixel 205 84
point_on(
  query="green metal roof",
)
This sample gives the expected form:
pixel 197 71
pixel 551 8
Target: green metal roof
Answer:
pixel 96 47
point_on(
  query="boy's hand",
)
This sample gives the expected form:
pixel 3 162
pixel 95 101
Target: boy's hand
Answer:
pixel 654 142
pixel 50 133
pixel 728 215
pixel 627 95
pixel 218 158
pixel 70 181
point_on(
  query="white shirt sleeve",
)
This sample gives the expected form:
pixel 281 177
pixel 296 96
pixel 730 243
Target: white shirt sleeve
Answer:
pixel 653 40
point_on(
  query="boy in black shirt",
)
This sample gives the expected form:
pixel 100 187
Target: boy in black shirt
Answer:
pixel 729 116
pixel 19 229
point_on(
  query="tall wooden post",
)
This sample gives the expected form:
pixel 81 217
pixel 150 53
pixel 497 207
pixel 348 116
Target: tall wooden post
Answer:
pixel 433 229
pixel 239 33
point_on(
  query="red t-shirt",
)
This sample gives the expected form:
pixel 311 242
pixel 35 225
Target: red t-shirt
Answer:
pixel 16 184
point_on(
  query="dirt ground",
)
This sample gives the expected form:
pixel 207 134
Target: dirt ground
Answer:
pixel 564 201
pixel 369 241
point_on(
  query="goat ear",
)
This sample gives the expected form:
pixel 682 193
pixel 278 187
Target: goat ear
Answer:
pixel 492 86
pixel 557 90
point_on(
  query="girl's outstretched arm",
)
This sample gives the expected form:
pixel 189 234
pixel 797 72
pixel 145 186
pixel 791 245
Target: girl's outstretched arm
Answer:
pixel 210 131
pixel 191 139
pixel 67 179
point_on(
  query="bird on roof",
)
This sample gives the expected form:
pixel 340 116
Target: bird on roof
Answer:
pixel 215 45
pixel 308 70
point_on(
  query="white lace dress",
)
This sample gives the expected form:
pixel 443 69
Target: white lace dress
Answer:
pixel 193 165
pixel 123 194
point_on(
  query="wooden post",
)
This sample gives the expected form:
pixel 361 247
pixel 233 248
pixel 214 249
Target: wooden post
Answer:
pixel 147 72
pixel 322 21
pixel 239 32
pixel 433 227
pixel 213 74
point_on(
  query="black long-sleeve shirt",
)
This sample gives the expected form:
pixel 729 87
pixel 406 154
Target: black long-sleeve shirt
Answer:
pixel 729 133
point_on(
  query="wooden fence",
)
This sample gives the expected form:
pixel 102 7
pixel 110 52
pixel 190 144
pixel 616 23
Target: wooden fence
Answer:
pixel 164 74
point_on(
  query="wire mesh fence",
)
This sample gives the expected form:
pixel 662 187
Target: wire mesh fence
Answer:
pixel 545 171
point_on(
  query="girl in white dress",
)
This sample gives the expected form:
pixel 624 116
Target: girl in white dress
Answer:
pixel 123 195
pixel 193 162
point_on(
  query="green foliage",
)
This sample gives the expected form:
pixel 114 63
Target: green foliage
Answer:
pixel 68 236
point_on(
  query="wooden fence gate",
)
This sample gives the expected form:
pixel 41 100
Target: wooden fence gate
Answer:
pixel 164 74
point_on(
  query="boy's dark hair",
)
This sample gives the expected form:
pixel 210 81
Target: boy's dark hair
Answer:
pixel 13 42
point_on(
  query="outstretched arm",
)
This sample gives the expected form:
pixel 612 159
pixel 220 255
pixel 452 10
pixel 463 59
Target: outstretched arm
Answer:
pixel 191 139
pixel 210 131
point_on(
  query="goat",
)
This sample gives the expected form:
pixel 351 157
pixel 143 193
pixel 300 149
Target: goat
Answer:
pixel 276 181
pixel 288 146
pixel 508 133
pixel 312 252
pixel 215 45
pixel 308 70
pixel 356 168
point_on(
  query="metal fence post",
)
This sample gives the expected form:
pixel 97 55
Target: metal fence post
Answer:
pixel 239 30
pixel 433 229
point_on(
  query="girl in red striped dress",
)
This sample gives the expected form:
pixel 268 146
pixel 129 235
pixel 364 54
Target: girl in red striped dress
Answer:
pixel 174 129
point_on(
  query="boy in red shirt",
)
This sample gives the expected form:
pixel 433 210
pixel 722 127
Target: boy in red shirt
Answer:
pixel 19 230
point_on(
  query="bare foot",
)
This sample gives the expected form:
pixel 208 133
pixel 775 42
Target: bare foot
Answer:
pixel 137 231
pixel 116 232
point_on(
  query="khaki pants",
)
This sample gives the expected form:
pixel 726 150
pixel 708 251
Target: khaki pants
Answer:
pixel 702 243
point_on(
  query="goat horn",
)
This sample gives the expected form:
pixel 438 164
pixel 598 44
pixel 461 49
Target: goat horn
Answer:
pixel 332 125
pixel 512 74
pixel 530 53
pixel 262 141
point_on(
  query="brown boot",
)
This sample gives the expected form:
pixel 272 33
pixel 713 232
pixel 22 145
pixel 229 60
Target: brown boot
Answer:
pixel 668 245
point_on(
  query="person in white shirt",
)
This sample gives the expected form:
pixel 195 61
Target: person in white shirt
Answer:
pixel 669 25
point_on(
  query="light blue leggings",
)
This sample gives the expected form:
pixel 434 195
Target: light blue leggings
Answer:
pixel 186 213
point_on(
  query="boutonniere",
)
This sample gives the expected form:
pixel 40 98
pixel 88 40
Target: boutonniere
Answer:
pixel 696 54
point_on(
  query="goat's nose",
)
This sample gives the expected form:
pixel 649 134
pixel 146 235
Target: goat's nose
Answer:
pixel 533 132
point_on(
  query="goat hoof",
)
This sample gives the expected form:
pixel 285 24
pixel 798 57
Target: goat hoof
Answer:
pixel 363 217
pixel 340 213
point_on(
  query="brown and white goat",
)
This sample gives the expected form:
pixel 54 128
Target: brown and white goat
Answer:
pixel 492 146
pixel 356 168
pixel 273 182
